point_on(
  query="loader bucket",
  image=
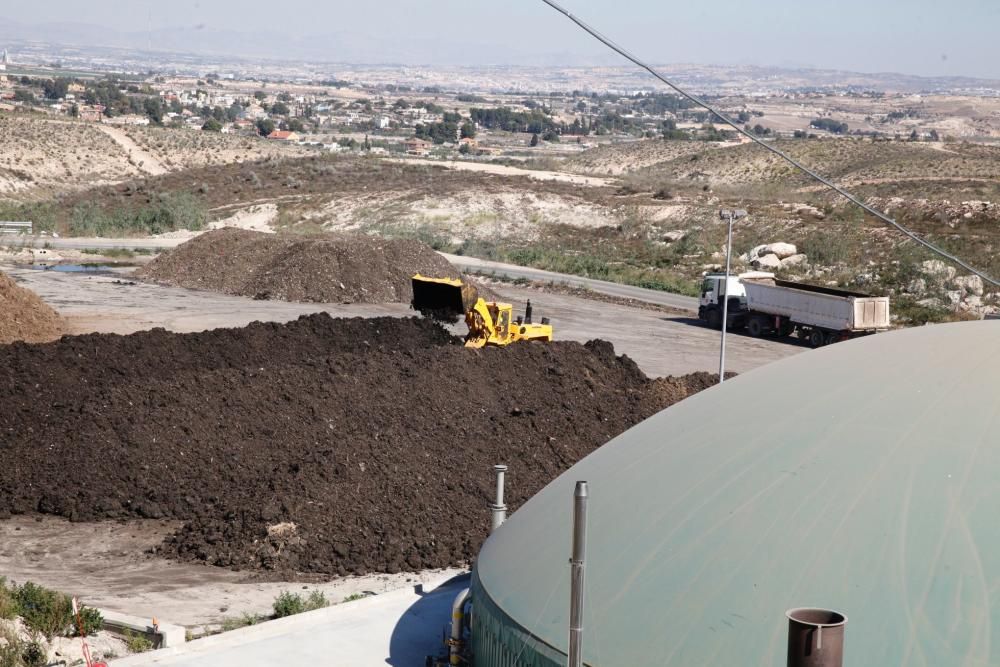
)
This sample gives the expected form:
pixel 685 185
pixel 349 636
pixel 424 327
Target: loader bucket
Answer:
pixel 442 298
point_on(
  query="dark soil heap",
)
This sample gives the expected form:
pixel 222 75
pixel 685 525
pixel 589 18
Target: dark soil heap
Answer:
pixel 317 446
pixel 24 316
pixel 327 268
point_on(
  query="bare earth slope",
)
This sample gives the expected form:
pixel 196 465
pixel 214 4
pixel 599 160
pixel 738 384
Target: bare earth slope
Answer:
pixel 24 316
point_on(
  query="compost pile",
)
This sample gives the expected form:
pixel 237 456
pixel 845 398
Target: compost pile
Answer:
pixel 326 268
pixel 322 445
pixel 24 316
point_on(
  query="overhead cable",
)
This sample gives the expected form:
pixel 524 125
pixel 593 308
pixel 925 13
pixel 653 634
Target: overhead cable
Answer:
pixel 784 156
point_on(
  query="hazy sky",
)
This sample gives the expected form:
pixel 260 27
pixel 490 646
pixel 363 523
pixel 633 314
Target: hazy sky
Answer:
pixel 928 37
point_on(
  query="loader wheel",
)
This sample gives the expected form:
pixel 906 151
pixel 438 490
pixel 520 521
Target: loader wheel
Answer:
pixel 817 338
pixel 755 327
pixel 715 319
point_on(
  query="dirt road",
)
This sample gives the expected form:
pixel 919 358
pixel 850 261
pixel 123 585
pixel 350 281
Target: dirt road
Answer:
pixel 143 160
pixel 661 344
pixel 105 564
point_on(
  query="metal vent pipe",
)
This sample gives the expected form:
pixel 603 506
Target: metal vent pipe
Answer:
pixel 499 508
pixel 576 562
pixel 815 637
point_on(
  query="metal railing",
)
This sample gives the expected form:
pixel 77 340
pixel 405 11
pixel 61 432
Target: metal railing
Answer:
pixel 12 227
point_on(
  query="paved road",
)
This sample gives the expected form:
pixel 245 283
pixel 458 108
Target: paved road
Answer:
pixel 467 264
pixel 474 265
pixel 396 629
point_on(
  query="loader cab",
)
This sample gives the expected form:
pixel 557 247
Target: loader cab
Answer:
pixel 501 315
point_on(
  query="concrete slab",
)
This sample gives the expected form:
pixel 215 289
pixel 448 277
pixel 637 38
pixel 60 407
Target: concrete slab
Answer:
pixel 398 629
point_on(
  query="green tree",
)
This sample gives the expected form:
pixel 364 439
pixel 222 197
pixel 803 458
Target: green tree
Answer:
pixel 279 108
pixel 265 126
pixel 468 131
pixel 296 125
pixel 154 109
pixel 56 89
pixel 260 95
pixel 212 125
pixel 534 139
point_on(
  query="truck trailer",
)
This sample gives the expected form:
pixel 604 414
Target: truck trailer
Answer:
pixel 763 305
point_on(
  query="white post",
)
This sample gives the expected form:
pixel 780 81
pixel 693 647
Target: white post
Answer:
pixel 725 302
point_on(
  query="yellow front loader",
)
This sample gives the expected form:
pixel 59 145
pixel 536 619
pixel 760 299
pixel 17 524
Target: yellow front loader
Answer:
pixel 489 322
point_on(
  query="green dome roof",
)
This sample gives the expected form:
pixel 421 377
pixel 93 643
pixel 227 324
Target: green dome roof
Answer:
pixel 862 477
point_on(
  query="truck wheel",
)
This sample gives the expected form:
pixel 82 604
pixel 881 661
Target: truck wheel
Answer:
pixel 714 319
pixel 817 338
pixel 832 337
pixel 755 327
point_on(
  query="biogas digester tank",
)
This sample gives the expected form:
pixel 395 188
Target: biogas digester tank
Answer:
pixel 859 477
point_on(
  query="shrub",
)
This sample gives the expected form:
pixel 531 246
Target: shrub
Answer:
pixel 137 643
pixel 34 655
pixel 235 623
pixel 44 611
pixel 11 648
pixel 8 604
pixel 316 600
pixel 289 604
pixel 170 212
pixel 91 620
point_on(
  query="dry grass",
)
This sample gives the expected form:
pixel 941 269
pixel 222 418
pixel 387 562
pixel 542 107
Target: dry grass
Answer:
pixel 42 156
pixel 184 149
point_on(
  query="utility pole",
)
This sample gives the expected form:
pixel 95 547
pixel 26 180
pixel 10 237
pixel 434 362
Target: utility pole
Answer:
pixel 730 215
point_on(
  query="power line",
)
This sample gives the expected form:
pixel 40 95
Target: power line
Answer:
pixel 784 156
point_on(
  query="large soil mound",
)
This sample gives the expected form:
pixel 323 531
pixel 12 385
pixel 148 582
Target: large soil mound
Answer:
pixel 318 446
pixel 328 268
pixel 24 316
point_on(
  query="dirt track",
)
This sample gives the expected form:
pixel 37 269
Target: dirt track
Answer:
pixel 143 159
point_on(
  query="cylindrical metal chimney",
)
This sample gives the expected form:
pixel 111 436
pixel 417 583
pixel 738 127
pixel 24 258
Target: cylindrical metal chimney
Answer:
pixel 577 575
pixel 815 638
pixel 499 508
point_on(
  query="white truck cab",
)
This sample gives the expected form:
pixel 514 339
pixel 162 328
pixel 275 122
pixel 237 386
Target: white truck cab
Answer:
pixel 714 288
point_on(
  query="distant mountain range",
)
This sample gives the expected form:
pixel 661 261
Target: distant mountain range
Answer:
pixel 327 47
pixel 199 44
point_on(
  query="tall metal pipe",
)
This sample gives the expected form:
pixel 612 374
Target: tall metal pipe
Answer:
pixel 455 643
pixel 577 575
pixel 499 508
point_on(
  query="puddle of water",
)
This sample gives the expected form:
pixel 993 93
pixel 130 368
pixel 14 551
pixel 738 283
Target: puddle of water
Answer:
pixel 89 267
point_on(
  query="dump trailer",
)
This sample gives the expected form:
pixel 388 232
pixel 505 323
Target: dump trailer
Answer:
pixel 489 322
pixel 764 305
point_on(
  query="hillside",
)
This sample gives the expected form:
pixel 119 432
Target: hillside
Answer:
pixel 42 156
